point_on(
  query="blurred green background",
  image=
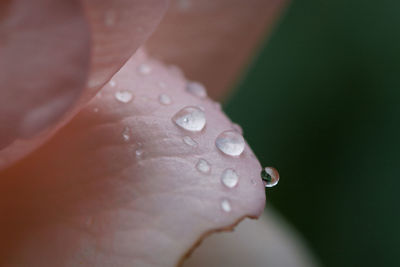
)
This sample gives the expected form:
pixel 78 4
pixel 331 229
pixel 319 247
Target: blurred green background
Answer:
pixel 321 103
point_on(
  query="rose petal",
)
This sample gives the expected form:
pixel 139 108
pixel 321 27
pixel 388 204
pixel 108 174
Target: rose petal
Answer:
pixel 213 39
pixel 51 49
pixel 92 196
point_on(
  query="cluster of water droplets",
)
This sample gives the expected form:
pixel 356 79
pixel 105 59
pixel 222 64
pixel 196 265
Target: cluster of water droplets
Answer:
pixel 192 119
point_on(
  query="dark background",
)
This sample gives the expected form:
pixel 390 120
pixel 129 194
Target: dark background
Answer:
pixel 321 103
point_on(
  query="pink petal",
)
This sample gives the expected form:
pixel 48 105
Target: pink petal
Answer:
pixel 88 198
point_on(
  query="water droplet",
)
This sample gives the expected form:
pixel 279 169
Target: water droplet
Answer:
pixel 164 99
pixel 217 105
pixel 190 118
pixel 270 176
pixel 95 110
pixel 203 166
pixel 229 178
pixel 126 134
pixel 139 152
pixel 197 89
pixel 144 69
pixel 110 18
pixel 226 205
pixel 237 128
pixel 112 83
pixel 189 141
pixel 123 96
pixel 230 142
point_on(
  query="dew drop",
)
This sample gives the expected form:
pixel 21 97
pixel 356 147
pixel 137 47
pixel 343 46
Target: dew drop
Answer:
pixel 230 142
pixel 123 96
pixel 139 152
pixel 189 141
pixel 112 83
pixel 110 18
pixel 190 119
pixel 162 85
pixel 229 178
pixel 203 166
pixel 226 205
pixel 164 99
pixel 196 89
pixel 126 134
pixel 270 176
pixel 144 69
pixel 237 128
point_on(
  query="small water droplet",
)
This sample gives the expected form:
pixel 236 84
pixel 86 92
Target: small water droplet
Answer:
pixel 203 166
pixel 237 128
pixel 139 152
pixel 196 89
pixel 229 178
pixel 112 83
pixel 95 110
pixel 230 142
pixel 123 96
pixel 270 176
pixel 189 141
pixel 190 118
pixel 110 18
pixel 217 105
pixel 164 99
pixel 226 205
pixel 144 69
pixel 126 134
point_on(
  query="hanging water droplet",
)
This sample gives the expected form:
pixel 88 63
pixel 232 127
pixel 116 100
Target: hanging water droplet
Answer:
pixel 230 142
pixel 270 176
pixel 189 141
pixel 226 205
pixel 164 99
pixel 197 89
pixel 203 166
pixel 190 118
pixel 237 128
pixel 123 96
pixel 126 134
pixel 112 83
pixel 229 178
pixel 144 69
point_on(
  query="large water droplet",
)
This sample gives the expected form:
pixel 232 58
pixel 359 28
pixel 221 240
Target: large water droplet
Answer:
pixel 197 89
pixel 164 99
pixel 189 141
pixel 123 96
pixel 270 176
pixel 226 205
pixel 144 69
pixel 230 143
pixel 190 118
pixel 203 166
pixel 126 134
pixel 229 178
